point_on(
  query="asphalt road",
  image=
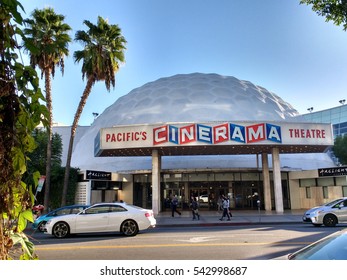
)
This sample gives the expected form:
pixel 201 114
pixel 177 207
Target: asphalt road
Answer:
pixel 185 243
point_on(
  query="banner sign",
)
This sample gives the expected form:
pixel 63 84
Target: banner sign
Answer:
pixel 41 183
pixel 202 134
pixel 98 175
pixel 333 171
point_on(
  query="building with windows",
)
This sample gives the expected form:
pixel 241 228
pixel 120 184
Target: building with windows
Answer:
pixel 206 135
pixel 337 116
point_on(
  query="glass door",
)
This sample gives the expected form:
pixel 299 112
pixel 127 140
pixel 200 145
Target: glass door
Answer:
pixel 246 195
pixel 168 194
pixel 201 195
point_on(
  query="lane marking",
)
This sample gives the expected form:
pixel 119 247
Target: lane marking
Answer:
pixel 67 248
pixel 198 239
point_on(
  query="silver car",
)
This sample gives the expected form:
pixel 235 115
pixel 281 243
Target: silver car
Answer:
pixel 329 214
pixel 331 247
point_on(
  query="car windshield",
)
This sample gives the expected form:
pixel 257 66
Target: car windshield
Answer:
pixel 331 203
pixel 333 247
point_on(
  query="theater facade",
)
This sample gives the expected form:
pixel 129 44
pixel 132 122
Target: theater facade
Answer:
pixel 206 135
pixel 247 189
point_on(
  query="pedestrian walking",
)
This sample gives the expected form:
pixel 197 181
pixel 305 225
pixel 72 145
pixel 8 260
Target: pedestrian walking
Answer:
pixel 220 204
pixel 174 203
pixel 229 210
pixel 225 209
pixel 195 208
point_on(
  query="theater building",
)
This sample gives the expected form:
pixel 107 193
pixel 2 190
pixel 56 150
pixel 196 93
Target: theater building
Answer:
pixel 204 135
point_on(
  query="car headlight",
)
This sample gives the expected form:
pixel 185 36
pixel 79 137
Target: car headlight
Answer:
pixel 317 212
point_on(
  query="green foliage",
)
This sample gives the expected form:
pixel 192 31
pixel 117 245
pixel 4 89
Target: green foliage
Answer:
pixel 46 39
pixel 103 51
pixel 38 156
pixel 26 245
pixel 332 10
pixel 20 112
pixel 37 162
pixel 340 148
pixel 57 186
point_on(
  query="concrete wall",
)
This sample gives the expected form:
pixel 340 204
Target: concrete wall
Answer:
pixel 298 195
pixel 127 193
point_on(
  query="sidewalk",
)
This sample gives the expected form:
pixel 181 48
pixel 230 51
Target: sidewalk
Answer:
pixel 240 217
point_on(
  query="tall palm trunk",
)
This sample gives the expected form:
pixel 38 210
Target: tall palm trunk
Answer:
pixel 78 114
pixel 49 140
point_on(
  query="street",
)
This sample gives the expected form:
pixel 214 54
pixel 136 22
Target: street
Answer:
pixel 251 242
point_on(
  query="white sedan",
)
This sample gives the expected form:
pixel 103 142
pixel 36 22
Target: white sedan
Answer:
pixel 103 217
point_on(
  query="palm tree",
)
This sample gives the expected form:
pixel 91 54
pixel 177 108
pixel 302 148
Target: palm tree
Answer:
pixel 102 54
pixel 47 42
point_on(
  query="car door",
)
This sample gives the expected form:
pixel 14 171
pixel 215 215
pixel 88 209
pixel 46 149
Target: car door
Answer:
pixel 117 215
pixel 343 211
pixel 93 219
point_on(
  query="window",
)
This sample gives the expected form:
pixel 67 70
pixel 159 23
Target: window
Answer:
pixel 307 182
pixel 308 192
pixel 344 190
pixel 106 185
pixel 117 208
pixel 76 210
pixel 64 211
pixel 326 181
pixel 325 192
pixel 98 209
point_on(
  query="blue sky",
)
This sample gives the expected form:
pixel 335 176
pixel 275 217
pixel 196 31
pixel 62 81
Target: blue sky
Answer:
pixel 280 45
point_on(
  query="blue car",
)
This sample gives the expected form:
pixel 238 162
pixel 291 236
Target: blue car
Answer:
pixel 40 222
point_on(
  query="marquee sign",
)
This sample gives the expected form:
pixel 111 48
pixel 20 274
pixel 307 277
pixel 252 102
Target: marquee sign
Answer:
pixel 98 175
pixel 213 134
pixel 332 171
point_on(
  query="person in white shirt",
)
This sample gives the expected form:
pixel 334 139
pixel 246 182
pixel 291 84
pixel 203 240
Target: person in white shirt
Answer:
pixel 226 205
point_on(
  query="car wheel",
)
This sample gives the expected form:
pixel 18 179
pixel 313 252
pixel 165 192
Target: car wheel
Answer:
pixel 61 230
pixel 129 228
pixel 41 226
pixel 330 220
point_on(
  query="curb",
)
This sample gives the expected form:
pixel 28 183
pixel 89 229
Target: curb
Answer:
pixel 227 224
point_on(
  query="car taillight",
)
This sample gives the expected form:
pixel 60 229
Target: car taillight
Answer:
pixel 148 214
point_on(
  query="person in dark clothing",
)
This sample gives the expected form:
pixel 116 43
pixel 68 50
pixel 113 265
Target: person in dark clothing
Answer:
pixel 195 208
pixel 174 204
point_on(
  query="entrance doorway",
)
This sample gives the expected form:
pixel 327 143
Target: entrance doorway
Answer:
pixel 142 195
pixel 169 193
pixel 243 189
pixel 202 196
pixel 247 195
pixel 208 193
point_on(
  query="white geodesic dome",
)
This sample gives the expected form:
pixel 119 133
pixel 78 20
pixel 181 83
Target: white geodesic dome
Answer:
pixel 193 97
